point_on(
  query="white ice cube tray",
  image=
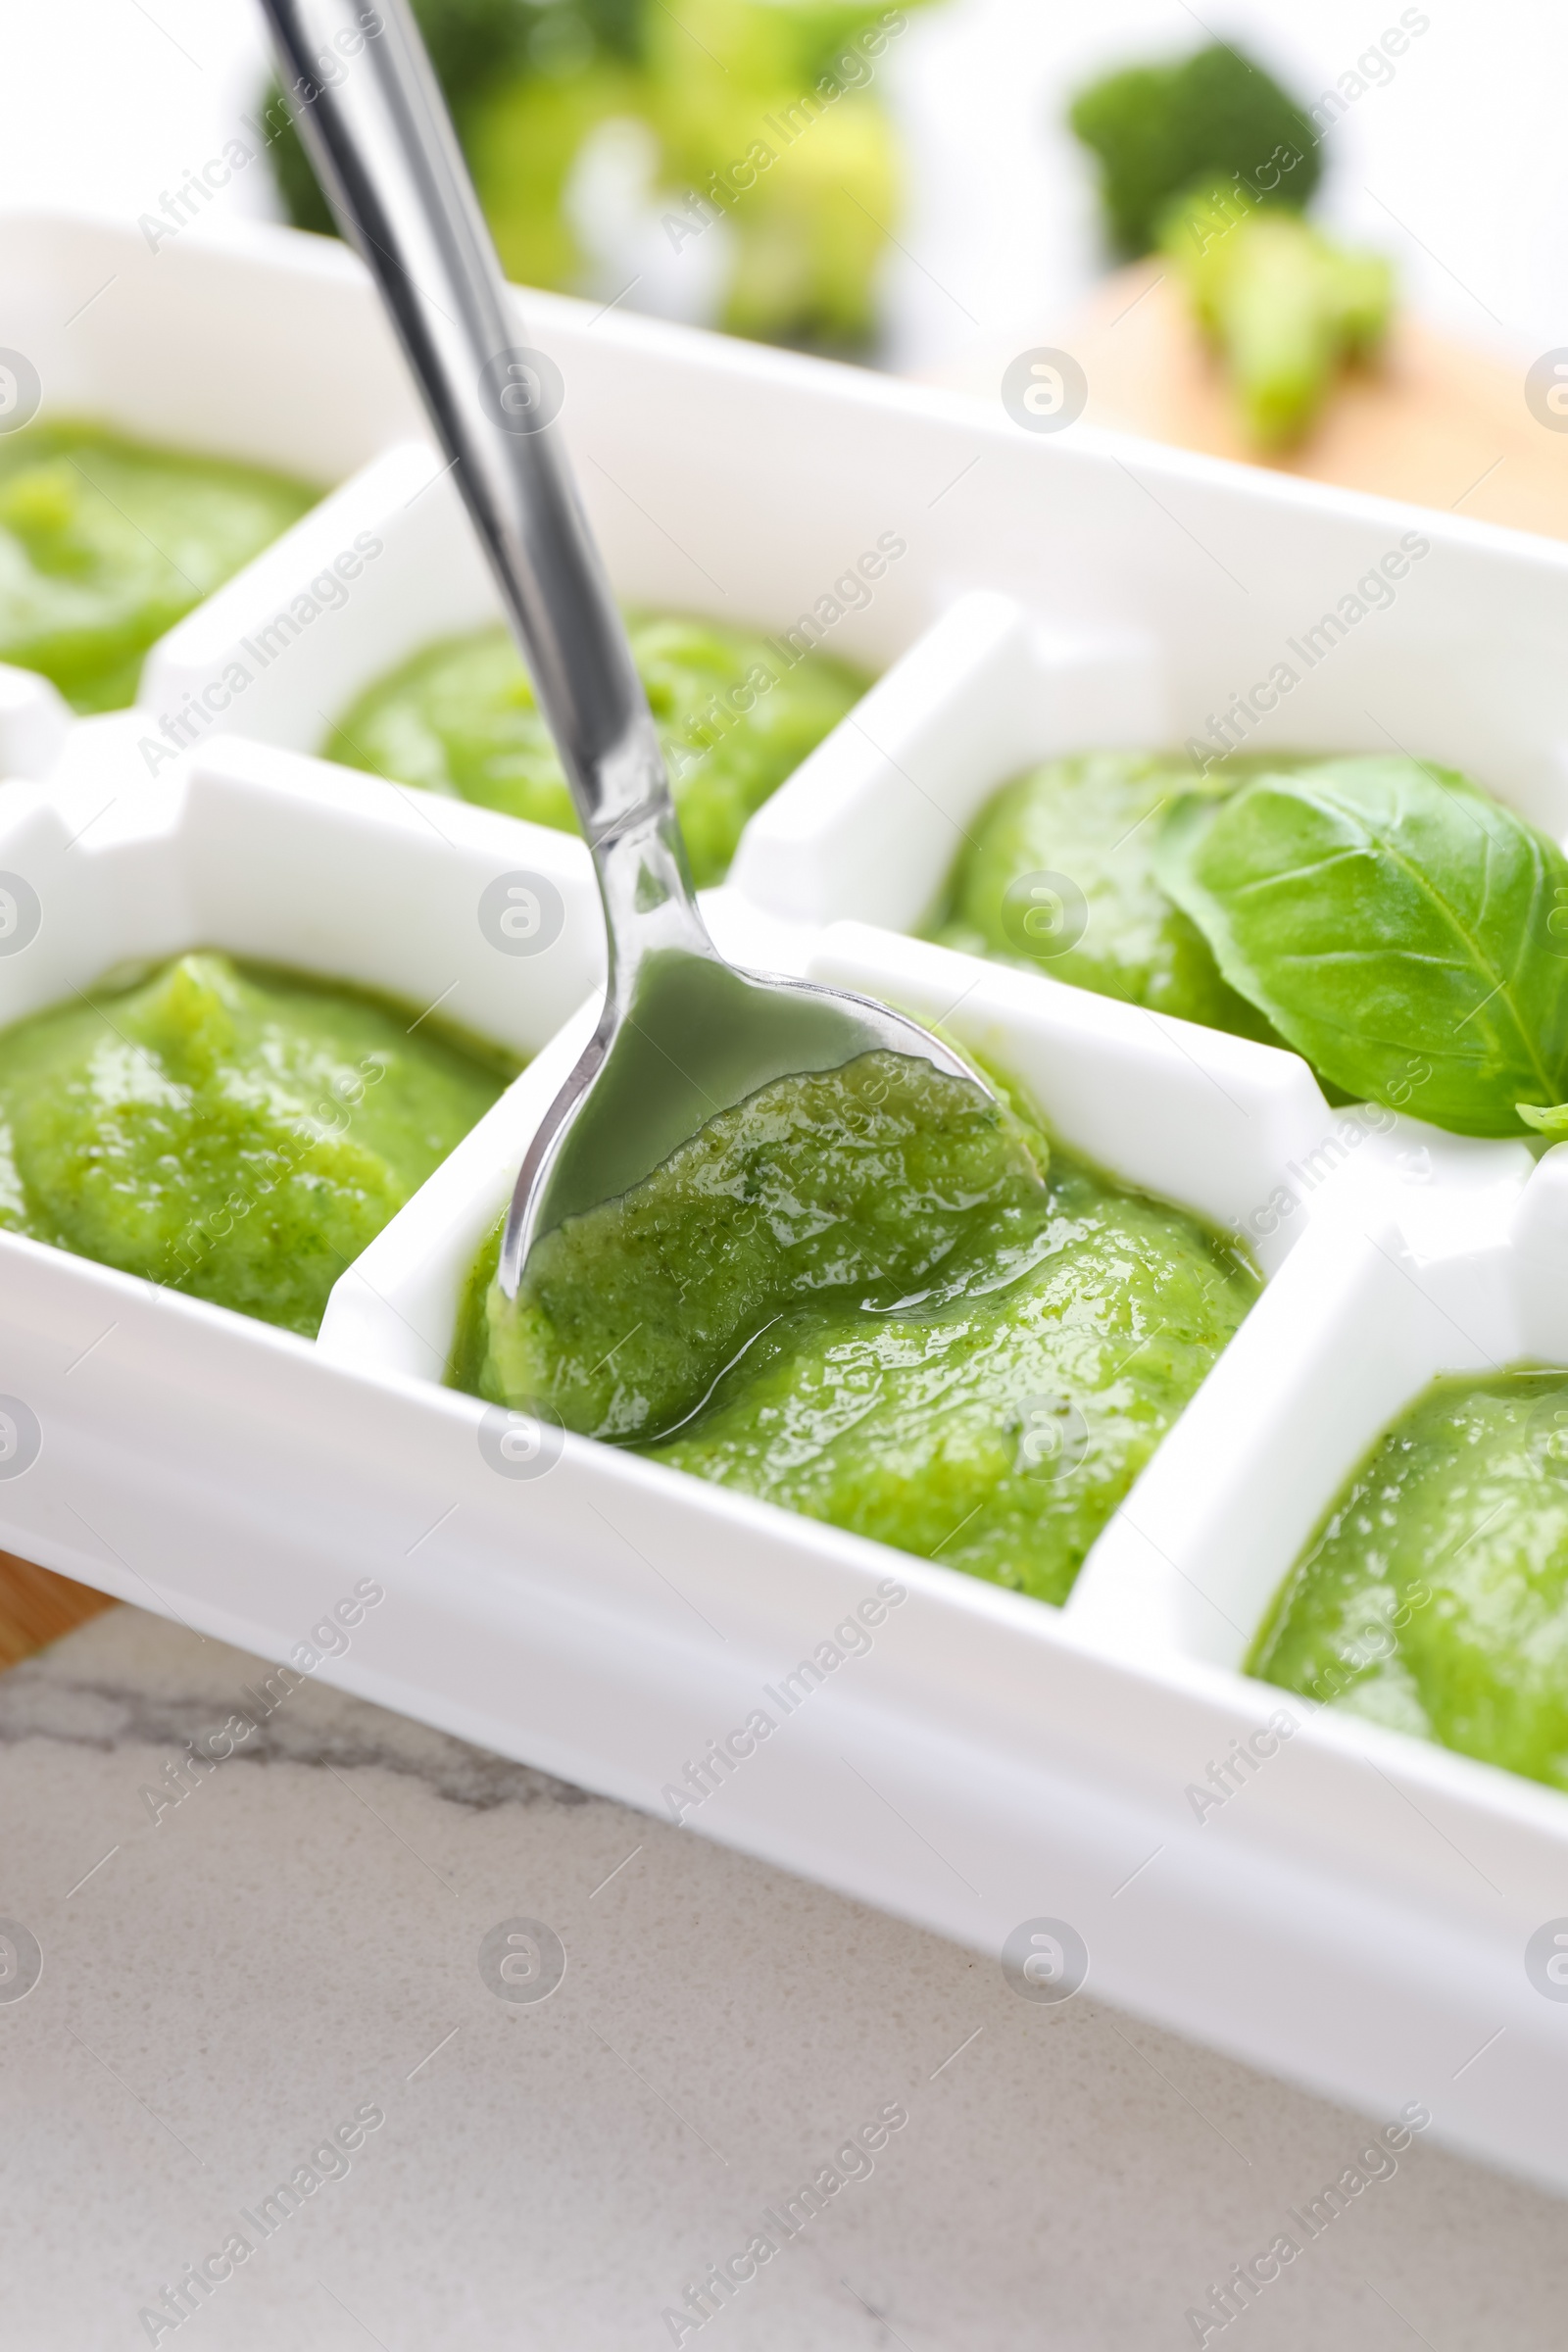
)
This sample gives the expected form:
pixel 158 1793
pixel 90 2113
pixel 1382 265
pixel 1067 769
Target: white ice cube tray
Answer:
pixel 1356 1915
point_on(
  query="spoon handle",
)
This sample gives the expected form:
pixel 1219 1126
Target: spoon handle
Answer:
pixel 377 128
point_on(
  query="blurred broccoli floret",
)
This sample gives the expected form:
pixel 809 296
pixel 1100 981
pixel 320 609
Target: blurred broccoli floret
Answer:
pixel 522 138
pixel 1162 130
pixel 735 80
pixel 473 45
pixel 757 109
pixel 1285 306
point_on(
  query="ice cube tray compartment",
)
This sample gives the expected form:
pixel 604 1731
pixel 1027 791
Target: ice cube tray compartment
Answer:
pixel 297 863
pixel 1358 1919
pixel 1371 1309
pixel 869 825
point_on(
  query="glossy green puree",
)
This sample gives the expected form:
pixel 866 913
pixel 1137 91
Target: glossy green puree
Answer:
pixel 734 721
pixel 104 544
pixel 1433 1598
pixel 233 1131
pixel 1091 822
pixel 878 1300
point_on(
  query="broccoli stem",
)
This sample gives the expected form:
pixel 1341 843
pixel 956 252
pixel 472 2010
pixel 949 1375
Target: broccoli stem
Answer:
pixel 1286 308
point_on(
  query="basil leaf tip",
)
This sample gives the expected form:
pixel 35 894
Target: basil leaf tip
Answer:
pixel 1552 1121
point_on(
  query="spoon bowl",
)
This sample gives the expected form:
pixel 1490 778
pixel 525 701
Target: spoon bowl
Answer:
pixel 699 1037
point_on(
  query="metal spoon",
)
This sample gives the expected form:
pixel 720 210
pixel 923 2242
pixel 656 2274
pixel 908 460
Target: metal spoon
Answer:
pixel 684 1035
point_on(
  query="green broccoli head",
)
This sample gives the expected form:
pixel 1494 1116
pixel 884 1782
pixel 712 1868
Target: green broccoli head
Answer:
pixel 1161 131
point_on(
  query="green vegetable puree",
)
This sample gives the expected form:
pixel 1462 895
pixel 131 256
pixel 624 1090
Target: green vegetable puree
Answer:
pixel 878 1300
pixel 1433 1596
pixel 104 544
pixel 1091 821
pixel 461 718
pixel 233 1131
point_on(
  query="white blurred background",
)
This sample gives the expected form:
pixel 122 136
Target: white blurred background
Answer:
pixel 1456 165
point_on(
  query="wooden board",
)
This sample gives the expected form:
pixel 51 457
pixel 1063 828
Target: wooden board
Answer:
pixel 1436 421
pixel 37 1607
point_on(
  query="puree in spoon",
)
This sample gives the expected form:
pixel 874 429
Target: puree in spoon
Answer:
pixel 736 713
pixel 234 1131
pixel 104 544
pixel 878 1298
pixel 1433 1596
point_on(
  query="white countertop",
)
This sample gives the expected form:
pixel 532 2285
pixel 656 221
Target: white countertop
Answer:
pixel 297 1942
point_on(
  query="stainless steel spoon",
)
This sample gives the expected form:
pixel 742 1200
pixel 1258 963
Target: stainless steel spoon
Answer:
pixel 684 1035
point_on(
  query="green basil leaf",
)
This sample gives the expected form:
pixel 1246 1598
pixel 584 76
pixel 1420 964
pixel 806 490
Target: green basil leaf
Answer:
pixel 1401 929
pixel 1552 1121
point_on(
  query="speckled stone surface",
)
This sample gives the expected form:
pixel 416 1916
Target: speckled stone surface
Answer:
pixel 298 1942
